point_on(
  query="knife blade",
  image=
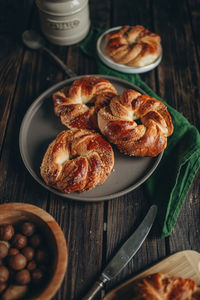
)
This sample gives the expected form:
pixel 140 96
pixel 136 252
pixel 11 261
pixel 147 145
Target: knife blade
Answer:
pixel 124 254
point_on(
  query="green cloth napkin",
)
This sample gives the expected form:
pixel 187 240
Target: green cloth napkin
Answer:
pixel 169 184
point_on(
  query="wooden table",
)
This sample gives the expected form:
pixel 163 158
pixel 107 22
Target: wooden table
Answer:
pixel 25 74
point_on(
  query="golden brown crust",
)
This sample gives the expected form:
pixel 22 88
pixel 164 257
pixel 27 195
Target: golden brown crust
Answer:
pixel 133 46
pixel 117 122
pixel 78 104
pixel 163 287
pixel 77 160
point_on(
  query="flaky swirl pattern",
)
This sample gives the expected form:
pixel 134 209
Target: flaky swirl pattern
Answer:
pixel 147 136
pixel 160 286
pixel 78 104
pixel 77 160
pixel 133 46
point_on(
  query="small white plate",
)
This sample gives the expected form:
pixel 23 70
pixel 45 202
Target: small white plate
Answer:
pixel 119 67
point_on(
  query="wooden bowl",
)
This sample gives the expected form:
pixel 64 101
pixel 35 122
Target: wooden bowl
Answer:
pixel 12 213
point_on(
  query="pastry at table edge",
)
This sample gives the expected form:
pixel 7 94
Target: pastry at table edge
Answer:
pixel 77 105
pixel 77 160
pixel 146 137
pixel 160 286
pixel 134 46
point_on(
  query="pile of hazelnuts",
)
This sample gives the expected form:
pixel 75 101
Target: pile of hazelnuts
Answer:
pixel 23 258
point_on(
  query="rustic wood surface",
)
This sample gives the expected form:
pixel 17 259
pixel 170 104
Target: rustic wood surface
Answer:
pixel 25 74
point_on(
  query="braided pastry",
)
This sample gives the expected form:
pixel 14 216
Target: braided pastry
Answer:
pixel 117 122
pixel 78 104
pixel 162 287
pixel 133 46
pixel 77 160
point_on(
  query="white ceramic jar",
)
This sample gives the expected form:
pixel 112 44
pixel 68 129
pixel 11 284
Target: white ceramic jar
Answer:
pixel 64 22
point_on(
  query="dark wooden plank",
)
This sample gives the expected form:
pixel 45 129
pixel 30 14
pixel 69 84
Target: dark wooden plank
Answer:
pixel 178 81
pixel 125 214
pixel 14 103
pixel 122 220
pixel 132 13
pixel 25 74
pixel 180 70
pixel 15 17
pixel 193 198
pixel 16 184
pixel 31 71
pixel 82 225
pixel 10 54
pixel 100 13
pixel 194 12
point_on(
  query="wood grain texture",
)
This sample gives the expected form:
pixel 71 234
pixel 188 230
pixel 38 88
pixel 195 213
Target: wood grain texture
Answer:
pixel 176 72
pixel 10 54
pixel 94 231
pixel 124 214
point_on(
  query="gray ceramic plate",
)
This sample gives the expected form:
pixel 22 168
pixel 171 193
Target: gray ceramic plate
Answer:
pixel 40 126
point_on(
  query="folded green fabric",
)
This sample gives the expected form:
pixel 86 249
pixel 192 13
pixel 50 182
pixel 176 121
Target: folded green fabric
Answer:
pixel 169 184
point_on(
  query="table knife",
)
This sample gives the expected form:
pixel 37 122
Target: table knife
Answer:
pixel 124 254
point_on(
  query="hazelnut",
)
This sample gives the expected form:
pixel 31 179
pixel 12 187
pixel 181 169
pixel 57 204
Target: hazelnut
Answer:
pixel 17 262
pixel 6 232
pixel 31 265
pixel 5 243
pixel 35 240
pixel 23 260
pixel 28 252
pixel 37 276
pixel 3 249
pixel 19 241
pixel 14 292
pixel 4 274
pixel 28 228
pixel 23 277
pixel 3 286
pixel 13 251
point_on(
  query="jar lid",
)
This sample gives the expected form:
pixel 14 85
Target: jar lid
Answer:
pixel 61 7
